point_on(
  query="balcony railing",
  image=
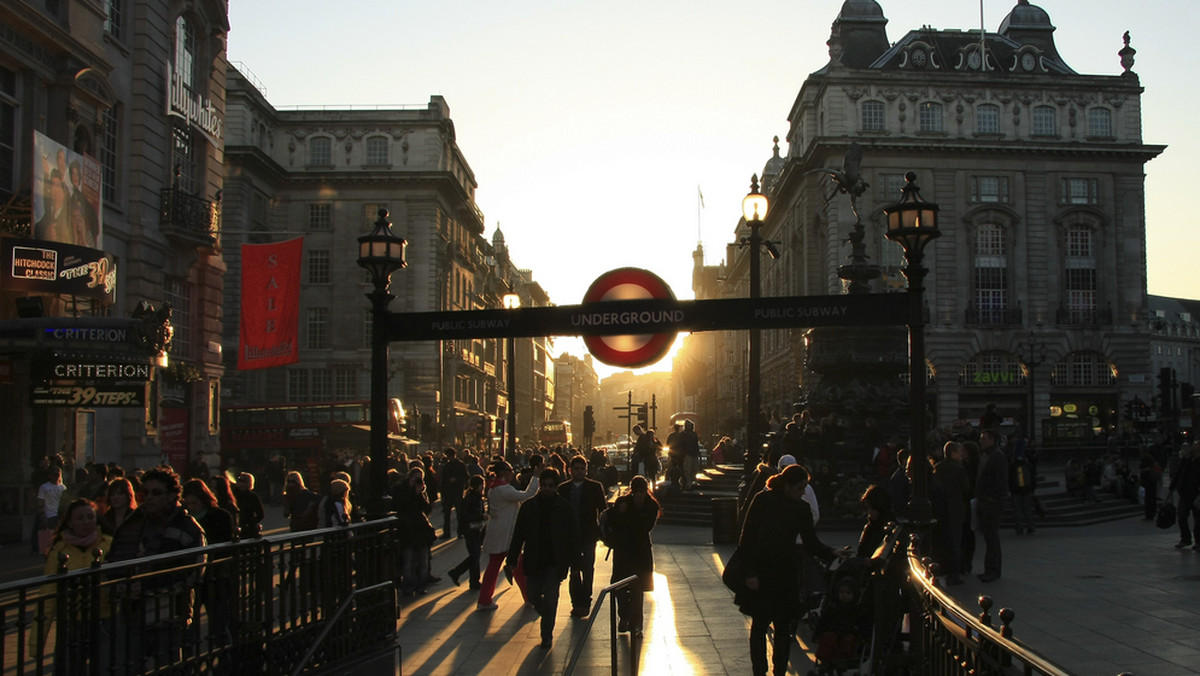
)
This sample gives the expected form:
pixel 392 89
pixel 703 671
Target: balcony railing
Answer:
pixel 1091 317
pixel 189 219
pixel 986 316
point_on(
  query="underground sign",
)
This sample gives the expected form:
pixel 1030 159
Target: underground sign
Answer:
pixel 629 350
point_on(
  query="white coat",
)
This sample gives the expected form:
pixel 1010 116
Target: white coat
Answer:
pixel 503 503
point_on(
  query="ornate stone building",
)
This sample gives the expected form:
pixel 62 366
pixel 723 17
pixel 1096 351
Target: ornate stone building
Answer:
pixel 133 94
pixel 1036 298
pixel 324 175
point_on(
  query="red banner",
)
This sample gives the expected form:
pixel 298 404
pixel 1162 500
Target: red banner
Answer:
pixel 270 304
pixel 173 436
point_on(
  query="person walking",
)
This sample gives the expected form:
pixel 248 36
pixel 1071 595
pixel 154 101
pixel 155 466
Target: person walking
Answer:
pixel 689 449
pixel 1186 482
pixel 504 500
pixel 548 537
pixel 250 506
pixel 587 499
pixel 299 503
pixel 775 517
pixel 991 489
pixel 417 535
pixel 49 495
pixel 453 484
pixel 472 516
pixel 633 517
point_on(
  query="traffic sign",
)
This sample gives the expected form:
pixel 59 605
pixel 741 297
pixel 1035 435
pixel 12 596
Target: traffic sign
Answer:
pixel 631 350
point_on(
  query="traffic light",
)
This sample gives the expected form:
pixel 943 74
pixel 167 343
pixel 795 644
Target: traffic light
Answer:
pixel 589 422
pixel 643 415
pixel 1166 389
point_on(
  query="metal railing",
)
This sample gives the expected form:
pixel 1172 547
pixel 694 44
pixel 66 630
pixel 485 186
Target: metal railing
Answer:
pixel 298 601
pixel 634 640
pixel 948 640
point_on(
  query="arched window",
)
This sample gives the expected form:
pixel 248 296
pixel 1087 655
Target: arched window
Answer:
pixel 1045 121
pixel 1100 122
pixel 987 119
pixel 185 51
pixel 930 116
pixel 1084 369
pixel 872 116
pixel 320 151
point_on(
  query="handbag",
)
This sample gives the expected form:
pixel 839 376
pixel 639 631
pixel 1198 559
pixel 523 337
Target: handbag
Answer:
pixel 1166 515
pixel 734 575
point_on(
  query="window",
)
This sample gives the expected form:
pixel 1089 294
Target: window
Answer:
pixel 320 151
pixel 872 116
pixel 320 385
pixel 185 52
pixel 989 188
pixel 1083 369
pixel 1044 122
pixel 1080 191
pixel 1081 271
pixel 377 150
pixel 987 119
pixel 930 116
pixel 108 154
pixel 892 187
pixel 320 216
pixel 184 158
pixel 991 274
pixel 8 130
pixel 298 388
pixel 178 293
pixel 1100 122
pixel 318 328
pixel 371 213
pixel 318 266
pixel 345 383
pixel 112 18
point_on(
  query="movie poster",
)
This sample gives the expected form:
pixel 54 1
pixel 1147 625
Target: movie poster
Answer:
pixel 66 195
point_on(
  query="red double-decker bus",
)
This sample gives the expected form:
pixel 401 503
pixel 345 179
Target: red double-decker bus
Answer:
pixel 308 437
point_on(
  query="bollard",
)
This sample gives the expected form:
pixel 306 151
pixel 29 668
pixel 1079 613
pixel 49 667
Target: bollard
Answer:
pixel 724 521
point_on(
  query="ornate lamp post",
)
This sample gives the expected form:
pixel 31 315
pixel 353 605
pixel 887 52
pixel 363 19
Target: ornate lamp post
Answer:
pixel 912 222
pixel 381 253
pixel 1036 350
pixel 754 210
pixel 511 302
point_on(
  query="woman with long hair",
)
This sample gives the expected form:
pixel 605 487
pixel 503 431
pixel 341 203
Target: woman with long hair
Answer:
pixel 216 590
pixel 223 490
pixel 122 501
pixel 299 503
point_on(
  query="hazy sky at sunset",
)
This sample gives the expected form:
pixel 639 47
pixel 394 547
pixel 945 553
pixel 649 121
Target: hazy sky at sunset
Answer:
pixel 590 125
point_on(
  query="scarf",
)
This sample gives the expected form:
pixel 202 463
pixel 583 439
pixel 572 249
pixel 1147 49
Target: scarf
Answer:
pixel 80 543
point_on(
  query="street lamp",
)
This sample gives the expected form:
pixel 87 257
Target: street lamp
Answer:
pixel 381 253
pixel 511 302
pixel 754 210
pixel 1037 356
pixel 912 222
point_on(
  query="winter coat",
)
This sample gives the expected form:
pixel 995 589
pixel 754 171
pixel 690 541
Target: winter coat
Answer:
pixel 633 552
pixel 591 503
pixel 546 530
pixel 768 543
pixel 504 501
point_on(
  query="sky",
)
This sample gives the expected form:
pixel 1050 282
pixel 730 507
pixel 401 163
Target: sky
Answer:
pixel 593 128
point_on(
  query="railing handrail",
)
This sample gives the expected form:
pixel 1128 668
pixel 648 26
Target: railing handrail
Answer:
pixel 950 611
pixel 587 628
pixel 312 650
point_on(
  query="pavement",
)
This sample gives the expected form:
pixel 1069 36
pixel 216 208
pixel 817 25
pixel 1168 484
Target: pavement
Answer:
pixel 1096 600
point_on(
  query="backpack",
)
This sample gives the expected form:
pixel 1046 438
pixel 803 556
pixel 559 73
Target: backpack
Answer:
pixel 607 536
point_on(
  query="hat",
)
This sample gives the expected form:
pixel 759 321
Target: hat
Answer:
pixel 785 461
pixel 499 466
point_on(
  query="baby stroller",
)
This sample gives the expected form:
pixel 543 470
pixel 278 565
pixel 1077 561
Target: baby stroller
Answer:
pixel 842 630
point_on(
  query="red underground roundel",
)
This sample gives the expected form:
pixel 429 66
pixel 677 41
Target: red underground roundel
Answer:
pixel 630 350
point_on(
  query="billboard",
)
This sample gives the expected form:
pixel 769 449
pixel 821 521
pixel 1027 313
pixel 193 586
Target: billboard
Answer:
pixel 66 195
pixel 34 266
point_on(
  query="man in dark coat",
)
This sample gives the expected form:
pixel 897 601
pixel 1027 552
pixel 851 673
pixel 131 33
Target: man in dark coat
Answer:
pixel 991 490
pixel 952 477
pixel 587 498
pixel 548 533
pixel 453 483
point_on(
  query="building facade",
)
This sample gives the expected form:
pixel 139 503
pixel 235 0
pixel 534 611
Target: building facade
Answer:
pixel 576 386
pixel 325 175
pixel 121 106
pixel 1036 296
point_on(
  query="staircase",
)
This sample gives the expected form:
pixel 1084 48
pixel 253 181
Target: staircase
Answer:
pixel 695 508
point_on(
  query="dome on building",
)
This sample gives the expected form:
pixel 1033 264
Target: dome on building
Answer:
pixel 775 165
pixel 1025 15
pixel 861 9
